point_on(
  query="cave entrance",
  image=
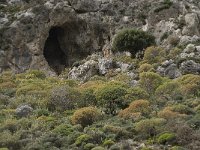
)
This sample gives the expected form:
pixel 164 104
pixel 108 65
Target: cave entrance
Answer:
pixel 53 53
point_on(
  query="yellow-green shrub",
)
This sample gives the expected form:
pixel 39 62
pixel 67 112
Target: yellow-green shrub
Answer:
pixel 149 127
pixel 150 81
pixel 85 116
pixel 154 55
pixel 146 67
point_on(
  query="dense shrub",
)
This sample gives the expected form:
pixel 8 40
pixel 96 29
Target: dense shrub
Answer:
pixel 149 127
pixel 132 40
pixel 64 129
pixel 146 67
pixel 111 97
pixel 108 143
pixel 182 109
pixel 88 98
pixel 83 139
pixel 190 85
pixel 174 53
pixel 85 116
pixel 135 94
pixel 154 55
pixel 167 113
pixel 150 81
pixel 169 91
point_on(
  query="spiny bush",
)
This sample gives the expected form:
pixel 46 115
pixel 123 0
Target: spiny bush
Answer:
pixel 63 98
pixel 132 40
pixel 85 116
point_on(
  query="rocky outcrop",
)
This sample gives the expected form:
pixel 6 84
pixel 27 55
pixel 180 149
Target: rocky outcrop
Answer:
pixel 51 35
pixel 169 69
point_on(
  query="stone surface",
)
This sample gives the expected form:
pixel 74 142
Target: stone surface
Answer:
pixel 169 69
pixel 190 66
pixel 105 65
pixel 23 111
pixel 85 71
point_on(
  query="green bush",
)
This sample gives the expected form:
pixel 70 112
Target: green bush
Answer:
pixel 166 138
pixel 88 98
pixel 83 139
pixel 64 129
pixel 88 146
pixel 150 81
pixel 85 116
pixel 108 143
pixel 182 109
pixel 132 40
pixel 146 67
pixel 169 91
pixel 149 127
pixel 136 93
pixel 154 55
pixel 98 148
pixel 111 97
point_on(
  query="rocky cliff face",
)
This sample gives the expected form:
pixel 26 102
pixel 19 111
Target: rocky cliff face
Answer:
pixel 52 34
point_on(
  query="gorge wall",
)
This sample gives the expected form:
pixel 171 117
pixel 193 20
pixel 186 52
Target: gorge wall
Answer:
pixel 52 34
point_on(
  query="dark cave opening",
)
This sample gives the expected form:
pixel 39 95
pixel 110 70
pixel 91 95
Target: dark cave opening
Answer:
pixel 53 53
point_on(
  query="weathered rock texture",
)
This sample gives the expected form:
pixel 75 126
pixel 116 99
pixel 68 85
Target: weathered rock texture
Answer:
pixel 52 34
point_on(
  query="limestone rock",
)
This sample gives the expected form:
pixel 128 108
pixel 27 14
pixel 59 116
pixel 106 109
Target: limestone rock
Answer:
pixel 169 69
pixel 23 111
pixel 192 25
pixel 85 71
pixel 104 65
pixel 190 66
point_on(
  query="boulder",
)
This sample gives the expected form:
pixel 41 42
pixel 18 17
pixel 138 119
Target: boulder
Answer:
pixel 84 71
pixel 104 65
pixel 190 66
pixel 23 111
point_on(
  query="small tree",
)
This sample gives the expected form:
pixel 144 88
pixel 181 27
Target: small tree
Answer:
pixel 132 40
